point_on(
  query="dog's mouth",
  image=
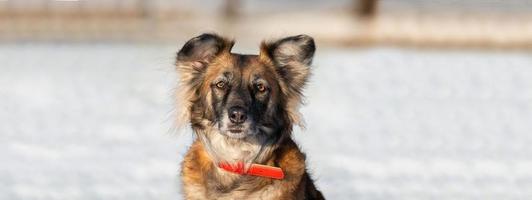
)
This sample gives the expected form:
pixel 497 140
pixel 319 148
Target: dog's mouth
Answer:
pixel 236 131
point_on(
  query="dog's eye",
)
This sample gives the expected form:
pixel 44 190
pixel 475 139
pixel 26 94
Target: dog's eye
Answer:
pixel 220 85
pixel 260 87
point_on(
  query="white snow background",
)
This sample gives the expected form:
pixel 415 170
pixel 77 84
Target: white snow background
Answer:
pixel 91 121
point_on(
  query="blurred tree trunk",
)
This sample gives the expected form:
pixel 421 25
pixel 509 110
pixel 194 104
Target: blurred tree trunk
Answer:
pixel 366 8
pixel 231 8
pixel 144 7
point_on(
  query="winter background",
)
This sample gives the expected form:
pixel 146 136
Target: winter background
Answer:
pixel 84 118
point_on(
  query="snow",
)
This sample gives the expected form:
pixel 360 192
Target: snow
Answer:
pixel 94 121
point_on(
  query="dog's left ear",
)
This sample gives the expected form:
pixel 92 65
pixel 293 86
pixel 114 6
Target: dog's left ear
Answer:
pixel 292 57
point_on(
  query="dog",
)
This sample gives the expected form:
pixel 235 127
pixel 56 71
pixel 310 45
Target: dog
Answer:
pixel 242 109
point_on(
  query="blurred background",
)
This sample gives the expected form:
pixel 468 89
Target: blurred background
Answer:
pixel 409 99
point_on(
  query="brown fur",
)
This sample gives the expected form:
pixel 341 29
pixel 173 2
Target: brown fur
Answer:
pixel 284 65
pixel 199 173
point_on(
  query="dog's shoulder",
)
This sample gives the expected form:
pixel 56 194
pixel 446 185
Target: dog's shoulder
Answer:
pixel 196 162
pixel 290 158
pixel 297 180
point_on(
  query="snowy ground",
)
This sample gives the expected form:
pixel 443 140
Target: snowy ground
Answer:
pixel 90 121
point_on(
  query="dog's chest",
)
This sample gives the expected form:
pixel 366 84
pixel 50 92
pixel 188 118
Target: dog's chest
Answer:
pixel 228 185
pixel 246 191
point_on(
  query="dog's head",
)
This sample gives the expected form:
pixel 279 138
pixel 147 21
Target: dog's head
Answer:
pixel 242 95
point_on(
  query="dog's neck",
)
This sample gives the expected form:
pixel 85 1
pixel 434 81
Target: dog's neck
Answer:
pixel 252 149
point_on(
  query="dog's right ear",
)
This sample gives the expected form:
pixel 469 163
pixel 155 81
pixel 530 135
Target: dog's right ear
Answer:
pixel 198 52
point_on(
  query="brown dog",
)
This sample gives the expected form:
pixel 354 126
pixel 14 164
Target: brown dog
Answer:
pixel 242 109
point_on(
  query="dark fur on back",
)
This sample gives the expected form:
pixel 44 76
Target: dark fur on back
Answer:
pixel 242 109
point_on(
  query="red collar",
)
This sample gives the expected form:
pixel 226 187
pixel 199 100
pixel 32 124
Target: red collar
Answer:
pixel 254 170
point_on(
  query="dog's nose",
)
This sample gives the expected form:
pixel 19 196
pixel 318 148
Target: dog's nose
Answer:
pixel 237 115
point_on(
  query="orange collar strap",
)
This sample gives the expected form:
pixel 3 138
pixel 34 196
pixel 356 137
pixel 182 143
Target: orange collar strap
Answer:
pixel 254 170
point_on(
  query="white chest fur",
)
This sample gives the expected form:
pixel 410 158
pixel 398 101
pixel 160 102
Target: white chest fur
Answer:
pixel 225 149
